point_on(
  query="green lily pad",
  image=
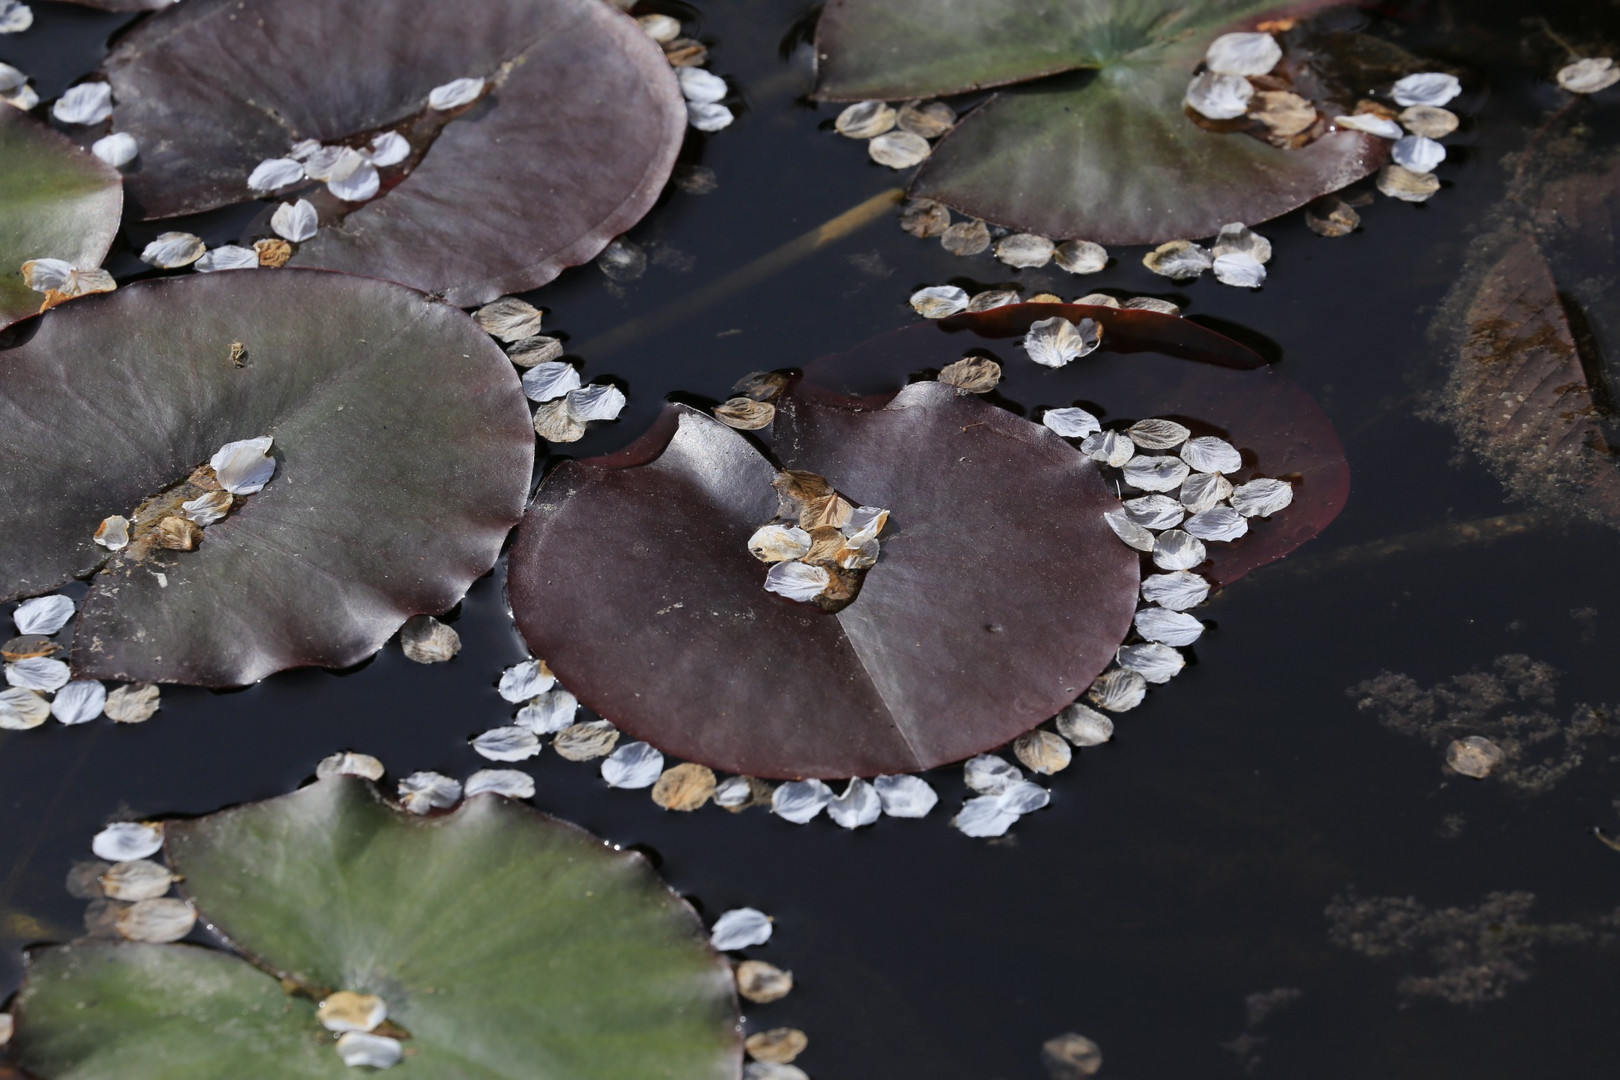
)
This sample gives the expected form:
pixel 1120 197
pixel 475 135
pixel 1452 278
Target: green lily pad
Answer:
pixel 1109 157
pixel 505 944
pixel 403 454
pixel 56 202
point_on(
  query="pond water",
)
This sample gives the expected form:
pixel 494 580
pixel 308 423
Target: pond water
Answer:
pixel 1181 868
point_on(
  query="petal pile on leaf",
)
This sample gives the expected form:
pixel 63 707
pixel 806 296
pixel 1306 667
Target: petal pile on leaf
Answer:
pixel 1108 157
pixel 557 153
pixel 1000 594
pixel 402 446
pixel 56 202
pixel 497 941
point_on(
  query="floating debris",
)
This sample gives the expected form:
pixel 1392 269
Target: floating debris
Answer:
pixel 1118 690
pixel 984 816
pixel 348 763
pixel 1419 154
pixel 1179 260
pixel 924 218
pixel 228 257
pixel 1168 627
pixel 1025 251
pixel 124 841
pixel 763 983
pixel 1024 797
pixel 1429 121
pixel 136 879
pixel 295 221
pixel 87 103
pixel 1262 498
pixel 898 149
pixel 117 149
pixel 426 640
pixel 526 681
pixel 800 800
pixel 929 119
pixel 684 788
pixel 745 414
pixel 1474 756
pixel 966 238
pixel 779 1046
pixel 586 740
pixel 1219 97
pixel 990 299
pixel 156 922
pixel 866 119
pixel 79 702
pixel 422 792
pixel 1426 88
pixel 740 928
pixel 359 1048
pixel 972 375
pixel 132 704
pixel 507 744
pixel 346 1010
pixel 661 28
pixel 1084 726
pixel 1176 549
pixel 858 806
pixel 1056 341
pixel 1071 422
pixel 512 783
pixel 1042 752
pixel 1371 123
pixel 1249 53
pixel 734 793
pixel 939 301
pixel 1590 75
pixel 455 94
pixel 14 88
pixel 274 174
pixel 274 253
pixel 1238 239
pixel 632 766
pixel 43 614
pixel 1071 1056
pixel 1331 216
pixel 905 796
pixel 1284 113
pixel 21 710
pixel 1401 183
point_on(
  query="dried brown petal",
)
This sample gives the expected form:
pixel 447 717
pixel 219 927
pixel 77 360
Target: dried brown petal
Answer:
pixel 778 1045
pixel 586 740
pixel 865 119
pixel 273 253
pixel 930 119
pixel 1098 299
pixel 426 640
pixel 536 350
pixel 763 983
pixel 761 385
pixel 1331 216
pixel 686 52
pixel 554 422
pixel 132 704
pixel 156 921
pixel 796 488
pixel 1042 752
pixel 685 787
pixel 991 299
pixel 831 510
pixel 759 794
pixel 826 542
pixel 509 318
pixel 1151 303
pixel 1408 186
pixel 1080 256
pixel 898 149
pixel 1071 1056
pixel 28 647
pixel 178 534
pixel 745 414
pixel 972 375
pixel 84 879
pixel 1430 121
pixel 1045 298
pixel 101 917
pixel 966 238
pixel 923 218
pixel 1474 756
pixel 1283 112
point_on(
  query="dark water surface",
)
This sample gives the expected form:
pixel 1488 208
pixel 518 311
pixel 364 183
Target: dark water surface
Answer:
pixel 1180 868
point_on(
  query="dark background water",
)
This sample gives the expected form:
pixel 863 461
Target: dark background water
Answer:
pixel 1183 866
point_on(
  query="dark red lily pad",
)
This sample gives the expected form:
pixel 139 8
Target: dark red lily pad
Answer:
pixel 1111 158
pixel 569 148
pixel 1149 365
pixel 1001 592
pixel 56 202
pixel 403 448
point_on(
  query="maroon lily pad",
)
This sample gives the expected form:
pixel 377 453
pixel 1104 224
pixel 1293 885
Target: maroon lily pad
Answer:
pixel 1001 592
pixel 403 456
pixel 1149 365
pixel 569 147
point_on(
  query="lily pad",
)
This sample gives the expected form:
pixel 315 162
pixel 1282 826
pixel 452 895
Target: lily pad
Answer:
pixel 403 455
pixel 568 148
pixel 504 944
pixel 1149 365
pixel 1107 156
pixel 999 595
pixel 56 202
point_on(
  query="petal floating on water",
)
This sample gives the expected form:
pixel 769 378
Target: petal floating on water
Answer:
pixel 800 800
pixel 511 743
pixel 43 614
pixel 983 817
pixel 133 704
pixel 358 1048
pixel 1134 535
pixel 1118 690
pixel 1426 88
pixel 1168 627
pixel 898 149
pixel 525 681
pixel 1084 726
pixel 1176 549
pixel 421 792
pixel 22 709
pixel 1262 498
pixel 158 921
pixel 740 928
pixel 1246 53
pixel 1155 473
pixel 699 86
pixel 708 116
pixel 859 805
pixel 79 702
pixel 1209 454
pixel 599 401
pixel 38 673
pixel 939 301
pixel 1071 422
pixel 1219 523
pixel 990 775
pixel 512 783
pixel 136 879
pixel 866 119
pixel 126 840
pixel 550 380
pixel 172 250
pixel 389 148
pixel 633 765
pixel 1219 97
pixel 87 103
pixel 1177 590
pixel 905 796
pixel 1056 341
pixel 348 763
pixel 117 149
pixel 228 257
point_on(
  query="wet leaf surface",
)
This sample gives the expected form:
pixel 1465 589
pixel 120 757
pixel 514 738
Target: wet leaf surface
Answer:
pixel 501 941
pixel 1148 366
pixel 1108 157
pixel 597 139
pixel 56 202
pixel 403 454
pixel 1000 594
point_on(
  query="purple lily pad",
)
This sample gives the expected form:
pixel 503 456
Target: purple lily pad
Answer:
pixel 56 202
pixel 1000 594
pixel 562 153
pixel 1149 365
pixel 1111 159
pixel 403 455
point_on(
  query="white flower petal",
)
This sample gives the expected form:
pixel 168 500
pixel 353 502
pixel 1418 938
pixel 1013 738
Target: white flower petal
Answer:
pixel 1176 591
pixel 700 87
pixel 1177 549
pixel 1239 269
pixel 525 681
pixel 1204 490
pixel 421 792
pixel 797 581
pixel 1417 153
pixel 549 713
pixel 512 783
pixel 455 94
pixel 1168 627
pixel 550 380
pixel 1426 88
pixel 1371 123
pixel 117 149
pixel 1056 341
pixel 990 775
pixel 905 796
pixel 245 466
pixel 507 744
pixel 939 301
pixel 275 173
pixel 126 840
pixel 1071 423
pixel 1154 434
pixel 1160 472
pixel 1110 447
pixel 15 16
pixel 1118 690
pixel 779 543
pixel 43 275
pixel 357 185
pixel 349 763
pixel 1219 523
pixel 1024 797
pixel 1219 97
pixel 1154 662
pixel 389 148
pixel 898 149
pixel 633 765
pixel 228 257
pixel 38 673
pixel 22 709
pixel 1155 511
pixel 1249 53
pixel 87 103
pixel 1209 454
pixel 1590 75
pixel 599 401
pixel 983 816
pixel 740 928
pixel 295 221
pixel 207 508
pixel 1262 498
pixel 859 805
pixel 43 614
pixel 709 116
pixel 1134 535
pixel 79 702
pixel 1084 726
pixel 800 800
pixel 172 250
pixel 361 1048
